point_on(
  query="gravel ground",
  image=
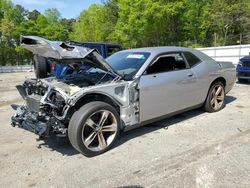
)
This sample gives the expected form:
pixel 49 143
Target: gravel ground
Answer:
pixel 194 149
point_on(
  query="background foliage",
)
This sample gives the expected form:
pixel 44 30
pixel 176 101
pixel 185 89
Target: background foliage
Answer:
pixel 131 23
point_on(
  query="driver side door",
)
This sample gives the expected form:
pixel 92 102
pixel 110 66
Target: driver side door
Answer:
pixel 167 86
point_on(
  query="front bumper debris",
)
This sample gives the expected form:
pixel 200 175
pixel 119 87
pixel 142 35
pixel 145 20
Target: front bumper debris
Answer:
pixel 26 120
pixel 43 126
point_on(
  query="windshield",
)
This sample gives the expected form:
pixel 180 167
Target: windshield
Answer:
pixel 127 64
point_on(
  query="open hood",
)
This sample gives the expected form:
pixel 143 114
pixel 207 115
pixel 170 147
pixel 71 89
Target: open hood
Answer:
pixel 64 52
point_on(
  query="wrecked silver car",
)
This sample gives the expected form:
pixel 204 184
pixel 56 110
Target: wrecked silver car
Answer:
pixel 129 89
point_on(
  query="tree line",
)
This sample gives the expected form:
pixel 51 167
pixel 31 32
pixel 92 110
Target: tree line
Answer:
pixel 131 23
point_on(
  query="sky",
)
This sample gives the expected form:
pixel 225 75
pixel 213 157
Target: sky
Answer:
pixel 67 8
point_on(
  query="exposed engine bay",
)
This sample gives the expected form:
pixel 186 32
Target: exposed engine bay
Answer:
pixel 50 102
pixel 47 100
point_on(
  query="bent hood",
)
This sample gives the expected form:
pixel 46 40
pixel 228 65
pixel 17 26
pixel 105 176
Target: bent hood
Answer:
pixel 64 52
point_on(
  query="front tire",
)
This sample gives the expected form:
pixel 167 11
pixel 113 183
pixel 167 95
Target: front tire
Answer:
pixel 94 128
pixel 216 98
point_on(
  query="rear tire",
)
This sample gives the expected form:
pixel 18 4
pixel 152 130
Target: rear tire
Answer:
pixel 40 66
pixel 216 98
pixel 94 128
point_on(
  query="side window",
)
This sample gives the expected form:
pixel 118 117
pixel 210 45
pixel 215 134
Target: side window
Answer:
pixel 191 59
pixel 170 62
pixel 112 50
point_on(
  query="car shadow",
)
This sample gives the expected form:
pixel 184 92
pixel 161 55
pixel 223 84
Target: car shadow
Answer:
pixel 154 127
pixel 63 146
pixel 243 83
pixel 59 144
pixel 165 123
pixel 229 99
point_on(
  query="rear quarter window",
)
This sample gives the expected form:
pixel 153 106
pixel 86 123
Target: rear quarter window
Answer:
pixel 191 59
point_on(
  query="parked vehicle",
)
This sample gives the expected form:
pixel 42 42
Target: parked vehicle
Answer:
pixel 45 68
pixel 243 69
pixel 129 89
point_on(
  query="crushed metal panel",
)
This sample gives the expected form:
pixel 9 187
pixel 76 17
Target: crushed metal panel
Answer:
pixel 53 49
pixel 65 52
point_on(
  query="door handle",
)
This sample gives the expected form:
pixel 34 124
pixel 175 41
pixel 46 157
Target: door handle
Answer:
pixel 190 75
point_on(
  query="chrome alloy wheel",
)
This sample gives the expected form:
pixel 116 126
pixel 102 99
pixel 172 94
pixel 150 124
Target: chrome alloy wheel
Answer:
pixel 99 130
pixel 217 97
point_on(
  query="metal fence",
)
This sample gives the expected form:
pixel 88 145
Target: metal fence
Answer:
pixel 227 53
pixel 20 68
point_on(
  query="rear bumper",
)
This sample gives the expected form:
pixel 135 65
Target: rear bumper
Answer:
pixel 243 75
pixel 243 72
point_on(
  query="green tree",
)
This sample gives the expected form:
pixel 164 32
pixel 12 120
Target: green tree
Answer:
pixel 149 23
pixel 90 25
pixel 55 32
pixel 68 24
pixel 43 27
pixel 132 23
pixel 7 28
pixel 19 14
pixel 111 13
pixel 33 15
pixel 53 16
pixel 41 21
pixel 229 17
pixel 16 21
pixel 196 25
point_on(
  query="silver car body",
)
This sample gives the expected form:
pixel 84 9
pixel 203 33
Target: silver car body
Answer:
pixel 145 98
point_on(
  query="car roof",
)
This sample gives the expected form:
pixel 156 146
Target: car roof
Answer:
pixel 159 50
pixel 155 51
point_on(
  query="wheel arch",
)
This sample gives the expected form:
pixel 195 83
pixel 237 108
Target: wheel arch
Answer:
pixel 91 97
pixel 219 79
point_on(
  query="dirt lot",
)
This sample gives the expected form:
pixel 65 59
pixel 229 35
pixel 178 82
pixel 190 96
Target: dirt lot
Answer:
pixel 194 149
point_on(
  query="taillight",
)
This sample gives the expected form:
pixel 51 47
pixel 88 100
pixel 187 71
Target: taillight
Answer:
pixel 54 67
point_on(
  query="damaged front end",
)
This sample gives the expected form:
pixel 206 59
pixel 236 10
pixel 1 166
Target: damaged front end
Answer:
pixel 46 108
pixel 51 102
pixel 43 111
